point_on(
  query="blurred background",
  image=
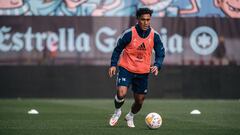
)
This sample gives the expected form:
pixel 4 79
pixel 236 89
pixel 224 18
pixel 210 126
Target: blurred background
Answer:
pixel 62 48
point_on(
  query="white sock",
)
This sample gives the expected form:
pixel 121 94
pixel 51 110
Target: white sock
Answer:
pixel 118 110
pixel 130 114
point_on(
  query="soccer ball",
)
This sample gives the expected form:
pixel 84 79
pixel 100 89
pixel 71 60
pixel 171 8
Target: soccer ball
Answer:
pixel 153 120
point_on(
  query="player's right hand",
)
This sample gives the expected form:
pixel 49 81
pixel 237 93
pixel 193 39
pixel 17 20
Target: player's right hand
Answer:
pixel 112 71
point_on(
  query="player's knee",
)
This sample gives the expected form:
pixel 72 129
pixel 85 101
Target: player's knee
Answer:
pixel 140 101
pixel 120 96
pixel 122 91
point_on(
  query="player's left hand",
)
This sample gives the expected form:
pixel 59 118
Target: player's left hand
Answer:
pixel 154 70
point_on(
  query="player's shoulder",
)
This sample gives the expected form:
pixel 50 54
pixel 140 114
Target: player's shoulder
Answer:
pixel 126 34
pixel 156 34
pixel 127 31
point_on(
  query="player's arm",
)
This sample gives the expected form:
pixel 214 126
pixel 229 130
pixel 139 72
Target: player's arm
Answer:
pixel 123 40
pixel 159 54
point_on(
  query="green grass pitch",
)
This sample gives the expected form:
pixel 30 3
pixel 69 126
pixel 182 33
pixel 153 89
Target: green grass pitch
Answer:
pixel 90 117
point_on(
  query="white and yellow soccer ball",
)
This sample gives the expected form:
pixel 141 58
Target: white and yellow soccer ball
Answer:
pixel 153 120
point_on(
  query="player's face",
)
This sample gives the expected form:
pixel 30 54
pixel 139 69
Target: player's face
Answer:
pixel 144 21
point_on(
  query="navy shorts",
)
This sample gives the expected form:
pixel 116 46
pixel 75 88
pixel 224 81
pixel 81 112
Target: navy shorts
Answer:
pixel 139 82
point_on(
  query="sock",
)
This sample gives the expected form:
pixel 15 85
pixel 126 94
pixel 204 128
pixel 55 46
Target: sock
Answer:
pixel 118 102
pixel 130 114
pixel 117 110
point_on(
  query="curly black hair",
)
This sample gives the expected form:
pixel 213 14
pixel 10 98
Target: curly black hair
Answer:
pixel 142 11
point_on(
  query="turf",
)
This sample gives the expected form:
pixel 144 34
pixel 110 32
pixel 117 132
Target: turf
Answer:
pixel 90 117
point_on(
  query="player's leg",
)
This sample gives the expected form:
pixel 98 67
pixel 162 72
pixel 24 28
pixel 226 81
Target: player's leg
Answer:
pixel 123 81
pixel 136 107
pixel 139 87
pixel 119 97
pixel 138 102
pixel 118 102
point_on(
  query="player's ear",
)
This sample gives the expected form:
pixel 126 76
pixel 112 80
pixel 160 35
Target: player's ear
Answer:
pixel 217 3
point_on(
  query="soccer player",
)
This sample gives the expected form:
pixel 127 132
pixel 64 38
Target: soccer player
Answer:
pixel 136 45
